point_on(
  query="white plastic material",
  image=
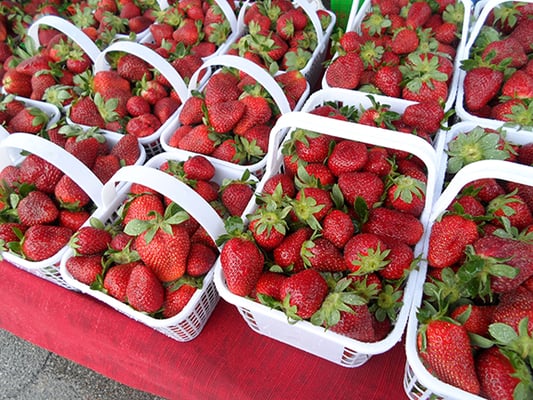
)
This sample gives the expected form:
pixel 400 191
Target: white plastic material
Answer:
pixel 355 25
pixel 484 11
pixel 313 69
pixel 70 166
pixel 333 347
pixel 419 383
pixel 187 324
pixel 262 77
pixel 69 29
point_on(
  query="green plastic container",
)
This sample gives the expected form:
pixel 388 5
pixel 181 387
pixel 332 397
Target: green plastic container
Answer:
pixel 342 9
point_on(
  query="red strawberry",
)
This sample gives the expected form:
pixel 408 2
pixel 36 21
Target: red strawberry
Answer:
pixel 198 168
pixel 347 156
pixel 69 194
pixel 73 219
pixel 116 280
pixel 191 113
pixel 404 41
pixel 143 125
pixel 144 291
pixel 515 306
pixel 418 14
pixel 200 260
pixel 44 241
pixel 85 112
pixel 137 105
pixel 448 239
pixel 133 68
pixel 513 208
pixel 407 194
pixel 30 120
pixel 424 116
pixel 222 86
pixel 269 284
pixel 345 71
pixel 395 224
pixel 365 253
pixel 476 319
pixel 481 85
pixel 224 116
pixel 312 203
pixel 338 228
pixel 303 293
pixel 445 348
pixel 127 150
pixel 288 254
pixel 322 255
pixel 197 140
pixel 166 107
pixel 8 233
pixel 505 49
pixel 257 111
pixel 90 240
pixel 242 264
pixel 284 181
pixel 140 207
pixel 105 166
pixel 362 184
pixel 176 300
pixel 356 324
pixel 37 208
pixel 17 83
pixel 388 79
pixel 85 268
pixel 39 172
pixel 235 197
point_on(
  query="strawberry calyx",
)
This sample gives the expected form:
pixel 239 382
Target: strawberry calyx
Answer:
pixel 388 304
pixel 421 70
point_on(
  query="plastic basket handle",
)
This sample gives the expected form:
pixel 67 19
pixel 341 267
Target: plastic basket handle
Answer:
pixel 69 29
pixel 57 156
pixel 148 55
pixel 3 133
pixel 251 68
pixel 170 187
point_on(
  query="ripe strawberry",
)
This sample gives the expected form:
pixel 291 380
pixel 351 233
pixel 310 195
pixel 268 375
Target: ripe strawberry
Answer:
pixel 90 240
pixel 312 204
pixel 486 189
pixel 41 242
pixel 133 68
pixel 356 324
pixel 198 168
pixel 513 208
pixel 37 208
pixel 222 86
pixel 283 180
pixel 116 280
pixel 269 285
pixel 69 194
pixel 400 257
pixel 191 113
pixel 140 207
pixel 39 84
pixel 105 79
pixel 145 292
pixel 362 184
pixel 518 85
pixel 197 140
pixel 350 41
pixel 33 64
pixel 476 319
pixel 515 306
pixel 310 146
pixel 105 166
pixel 426 116
pixel 200 260
pixel 508 49
pixel 127 150
pixel 224 116
pixel 404 41
pixel 498 375
pixel 166 107
pixel 303 293
pixel 85 268
pixel 338 228
pixel 235 196
pixel 345 71
pixel 73 219
pixel 322 255
pixel 407 194
pixel 39 172
pixel 143 125
pixel 137 105
pixel 481 85
pixel 347 156
pixel 445 348
pixel 448 239
pixel 388 79
pixel 17 83
pixel 365 253
pixel 242 264
pixel 257 111
pixel 288 254
pixel 85 112
pixel 395 224
pixel 30 120
pixel 176 300
pixel 418 14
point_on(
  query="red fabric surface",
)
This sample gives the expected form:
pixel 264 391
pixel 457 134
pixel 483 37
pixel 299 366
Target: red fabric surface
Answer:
pixel 226 361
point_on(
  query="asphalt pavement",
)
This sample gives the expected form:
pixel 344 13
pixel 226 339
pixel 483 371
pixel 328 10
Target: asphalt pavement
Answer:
pixel 28 372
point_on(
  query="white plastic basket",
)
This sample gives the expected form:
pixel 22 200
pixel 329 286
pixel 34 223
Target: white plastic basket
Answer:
pixel 484 10
pixel 261 76
pixel 313 69
pixel 419 383
pixel 151 143
pixel 230 16
pixel 187 324
pixel 329 345
pixel 69 165
pixel 355 25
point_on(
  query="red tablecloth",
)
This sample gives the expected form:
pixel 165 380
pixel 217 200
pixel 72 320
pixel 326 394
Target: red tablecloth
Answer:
pixel 226 361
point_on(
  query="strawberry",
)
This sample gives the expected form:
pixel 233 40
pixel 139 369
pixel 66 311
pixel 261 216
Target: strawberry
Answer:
pixel 85 268
pixel 257 111
pixel 518 85
pixel 224 116
pixel 144 292
pixel 362 184
pixel 311 146
pixel 105 79
pixel 407 194
pixel 394 224
pixel 137 105
pixel 191 113
pixel 345 71
pixel 105 166
pixel 347 156
pixel 448 239
pixel 445 349
pixel 288 254
pixel 73 219
pixel 476 319
pixel 424 116
pixel 30 120
pixel 365 253
pixel 140 207
pixel 338 228
pixel 322 255
pixel 283 180
pixel 200 260
pixel 127 150
pixel 198 168
pixel 486 188
pixel 90 240
pixel 69 194
pixel 312 204
pixel 388 79
pixel 17 83
pixel 221 87
pixel 242 264
pixel 39 172
pixel 41 242
pixel 513 208
pixel 400 257
pixel 508 49
pixel 303 293
pixel 165 251
pixel 418 14
pixel 356 324
pixel 133 68
pixel 499 374
pixel 116 280
pixel 143 125
pixel 514 307
pixel 85 112
pixel 269 285
pixel 235 196
pixel 177 299
pixel 166 107
pixel 197 140
pixel 481 85
pixel 37 208
pixel 404 41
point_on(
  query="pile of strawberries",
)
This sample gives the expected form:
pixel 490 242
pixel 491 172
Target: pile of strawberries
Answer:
pixel 155 255
pixel 476 321
pixel 332 237
pixel 231 118
pixel 279 35
pixel 404 49
pixel 498 82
